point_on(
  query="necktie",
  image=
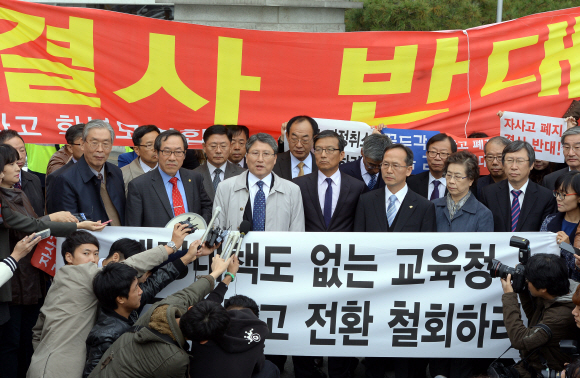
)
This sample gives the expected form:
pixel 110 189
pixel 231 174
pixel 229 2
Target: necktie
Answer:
pixel 216 179
pixel 177 199
pixel 259 213
pixel 372 182
pixel 435 193
pixel 391 210
pixel 328 202
pixel 301 169
pixel 18 186
pixel 515 209
pixel 100 177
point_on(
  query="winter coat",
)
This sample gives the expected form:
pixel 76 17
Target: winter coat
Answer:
pixel 555 313
pixel 149 352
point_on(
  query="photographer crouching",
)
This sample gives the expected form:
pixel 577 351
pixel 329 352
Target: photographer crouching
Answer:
pixel 546 296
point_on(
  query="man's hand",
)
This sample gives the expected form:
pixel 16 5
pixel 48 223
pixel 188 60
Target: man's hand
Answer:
pixel 377 129
pixel 500 113
pixel 234 265
pixel 180 231
pixel 571 122
pixel 506 284
pixel 91 226
pixel 63 216
pixel 219 265
pixel 283 131
pixel 192 253
pixel 144 277
pixel 204 250
pixel 24 246
pixel 562 237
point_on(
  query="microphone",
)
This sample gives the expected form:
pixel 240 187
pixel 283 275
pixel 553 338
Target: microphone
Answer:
pixel 209 226
pixel 245 227
pixel 230 244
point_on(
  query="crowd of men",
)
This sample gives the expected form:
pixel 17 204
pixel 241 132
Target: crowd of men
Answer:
pixel 91 322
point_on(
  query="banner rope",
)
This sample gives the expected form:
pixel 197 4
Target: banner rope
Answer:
pixel 468 70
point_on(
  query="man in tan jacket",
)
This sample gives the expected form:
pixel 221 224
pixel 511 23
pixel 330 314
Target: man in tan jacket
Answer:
pixel 147 159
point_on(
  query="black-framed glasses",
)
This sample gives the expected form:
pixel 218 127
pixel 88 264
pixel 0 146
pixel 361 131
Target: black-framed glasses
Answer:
pixel 147 146
pixel 177 153
pixel 329 150
pixel 442 155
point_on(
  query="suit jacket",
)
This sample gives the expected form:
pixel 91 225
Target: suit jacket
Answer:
pixel 149 206
pixel 539 202
pixel 49 181
pixel 343 217
pixel 32 187
pixel 58 160
pixel 353 169
pixel 416 213
pixel 131 171
pixel 126 158
pixel 549 181
pixel 482 182
pixel 283 167
pixel 419 183
pixel 284 210
pixel 231 171
pixel 79 191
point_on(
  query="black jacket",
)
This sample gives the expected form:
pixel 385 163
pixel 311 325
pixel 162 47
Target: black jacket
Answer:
pixel 353 169
pixel 110 325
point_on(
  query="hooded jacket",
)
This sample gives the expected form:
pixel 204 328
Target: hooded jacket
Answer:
pixel 241 347
pixel 555 313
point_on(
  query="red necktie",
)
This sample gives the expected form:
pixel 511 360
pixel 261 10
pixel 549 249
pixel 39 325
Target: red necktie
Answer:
pixel 177 200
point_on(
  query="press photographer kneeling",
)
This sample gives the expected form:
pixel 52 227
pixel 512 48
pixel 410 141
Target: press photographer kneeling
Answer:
pixel 546 296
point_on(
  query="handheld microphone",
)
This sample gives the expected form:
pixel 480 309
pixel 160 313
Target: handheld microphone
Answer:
pixel 231 243
pixel 245 227
pixel 210 225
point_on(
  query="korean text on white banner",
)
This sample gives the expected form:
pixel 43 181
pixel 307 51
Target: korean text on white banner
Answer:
pixel 543 133
pixel 368 294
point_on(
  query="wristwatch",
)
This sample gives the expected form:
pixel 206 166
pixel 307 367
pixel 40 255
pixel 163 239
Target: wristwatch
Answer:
pixel 172 245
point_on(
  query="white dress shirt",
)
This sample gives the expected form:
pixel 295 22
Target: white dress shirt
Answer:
pixel 145 167
pixel 241 163
pixel 441 187
pixel 522 194
pixel 365 175
pixel 253 186
pixel 400 197
pixel 212 169
pixel 323 186
pixel 294 164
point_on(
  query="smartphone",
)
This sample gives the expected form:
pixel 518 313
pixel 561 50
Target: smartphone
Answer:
pixel 43 234
pixel 569 248
pixel 107 222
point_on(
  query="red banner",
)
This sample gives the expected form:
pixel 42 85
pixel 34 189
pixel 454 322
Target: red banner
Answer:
pixel 44 257
pixel 63 66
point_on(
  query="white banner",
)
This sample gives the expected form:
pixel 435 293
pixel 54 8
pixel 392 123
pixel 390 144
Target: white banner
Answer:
pixel 543 133
pixel 368 294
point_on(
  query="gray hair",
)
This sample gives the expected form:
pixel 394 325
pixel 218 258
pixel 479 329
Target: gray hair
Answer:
pixel 97 124
pixel 264 138
pixel 374 146
pixel 516 146
pixel 497 139
pixel 571 131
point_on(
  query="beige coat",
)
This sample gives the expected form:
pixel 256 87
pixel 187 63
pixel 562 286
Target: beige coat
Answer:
pixel 131 171
pixel 284 210
pixel 68 315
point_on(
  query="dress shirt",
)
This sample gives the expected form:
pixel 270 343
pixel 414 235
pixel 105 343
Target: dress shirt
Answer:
pixel 400 197
pixel 294 164
pixel 212 169
pixel 73 159
pixel 241 163
pixel 323 185
pixel 365 175
pixel 253 186
pixel 145 167
pixel 441 188
pixel 522 194
pixel 169 188
pixel 102 171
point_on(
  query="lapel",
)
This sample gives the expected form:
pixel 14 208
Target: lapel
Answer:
pixel 424 185
pixel 188 187
pixel 503 200
pixel 159 187
pixel 84 170
pixel 405 211
pixel 25 179
pixel 286 165
pixel 358 171
pixel 530 198
pixel 230 169
pixel 343 194
pixel 136 169
pixel 313 194
pixel 380 208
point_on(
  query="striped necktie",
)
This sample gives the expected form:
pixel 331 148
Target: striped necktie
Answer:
pixel 515 209
pixel 391 210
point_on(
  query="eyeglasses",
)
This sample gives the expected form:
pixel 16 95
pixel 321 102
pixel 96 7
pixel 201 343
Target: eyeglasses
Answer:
pixel 304 140
pixel 147 146
pixel 265 154
pixel 449 176
pixel 329 150
pixel 178 153
pixel 433 154
pixel 385 165
pixel 75 144
pixel 519 161
pixel 567 147
pixel 561 195
pixel 369 165
pixel 491 158
pixel 215 146
pixel 94 145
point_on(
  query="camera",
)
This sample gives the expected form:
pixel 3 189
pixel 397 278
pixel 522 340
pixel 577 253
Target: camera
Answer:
pixel 190 225
pixel 497 269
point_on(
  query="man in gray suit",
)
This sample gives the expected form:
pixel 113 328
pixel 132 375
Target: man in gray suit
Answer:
pixel 217 143
pixel 144 147
pixel 156 197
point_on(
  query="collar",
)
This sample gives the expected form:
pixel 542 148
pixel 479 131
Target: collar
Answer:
pixel 252 180
pixel 294 161
pixel 441 180
pixel 363 170
pixel 145 167
pixel 73 159
pixel 400 194
pixel 212 168
pixel 165 177
pixel 523 188
pixel 102 171
pixel 335 177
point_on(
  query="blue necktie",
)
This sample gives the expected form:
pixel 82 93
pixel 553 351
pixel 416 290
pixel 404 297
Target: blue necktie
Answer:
pixel 391 210
pixel 435 193
pixel 259 214
pixel 515 209
pixel 372 182
pixel 328 203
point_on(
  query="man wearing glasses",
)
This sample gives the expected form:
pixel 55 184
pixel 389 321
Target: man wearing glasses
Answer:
pixel 169 190
pixel 432 184
pixel 518 204
pixel 143 142
pixel 92 186
pixel 571 150
pixel 493 152
pixel 298 161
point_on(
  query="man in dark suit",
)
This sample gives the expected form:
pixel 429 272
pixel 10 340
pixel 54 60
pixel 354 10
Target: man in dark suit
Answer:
pixel 366 169
pixel 493 153
pixel 298 161
pixel 330 199
pixel 432 184
pixel 395 208
pixel 156 197
pixel 217 144
pixel 29 183
pixel 571 150
pixel 240 136
pixel 518 204
pixel 92 186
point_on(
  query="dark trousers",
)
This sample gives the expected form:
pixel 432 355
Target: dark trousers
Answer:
pixel 451 367
pixel 376 367
pixel 341 367
pixel 268 371
pixel 16 340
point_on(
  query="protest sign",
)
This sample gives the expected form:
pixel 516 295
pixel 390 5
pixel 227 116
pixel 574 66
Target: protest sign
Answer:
pixel 368 294
pixel 352 132
pixel 543 133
